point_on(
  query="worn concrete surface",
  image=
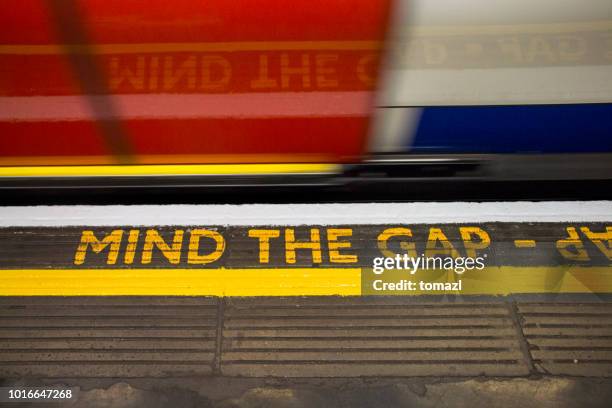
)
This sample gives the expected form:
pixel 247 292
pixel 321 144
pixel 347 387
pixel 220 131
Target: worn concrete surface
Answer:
pixel 460 352
pixel 309 337
pixel 544 392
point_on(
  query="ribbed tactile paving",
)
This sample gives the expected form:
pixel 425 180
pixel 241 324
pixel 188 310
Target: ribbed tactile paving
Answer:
pixel 106 336
pixel 298 337
pixel 349 337
pixel 569 339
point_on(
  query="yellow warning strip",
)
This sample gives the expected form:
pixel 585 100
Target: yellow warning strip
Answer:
pixel 295 281
pixel 168 170
pixel 503 280
pixel 47 49
pixel 181 282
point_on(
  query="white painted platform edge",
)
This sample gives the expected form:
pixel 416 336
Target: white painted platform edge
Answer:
pixel 307 214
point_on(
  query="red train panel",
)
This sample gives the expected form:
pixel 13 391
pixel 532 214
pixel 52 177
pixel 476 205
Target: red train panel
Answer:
pixel 187 82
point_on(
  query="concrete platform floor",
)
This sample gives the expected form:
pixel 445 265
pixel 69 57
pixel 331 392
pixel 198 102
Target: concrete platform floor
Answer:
pixel 179 352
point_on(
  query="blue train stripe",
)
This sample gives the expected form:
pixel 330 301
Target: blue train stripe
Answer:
pixel 579 128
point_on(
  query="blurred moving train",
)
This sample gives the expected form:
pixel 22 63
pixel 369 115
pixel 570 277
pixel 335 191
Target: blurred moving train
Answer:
pixel 247 92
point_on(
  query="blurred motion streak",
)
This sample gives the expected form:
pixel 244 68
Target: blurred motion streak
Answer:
pixel 69 25
pixel 111 82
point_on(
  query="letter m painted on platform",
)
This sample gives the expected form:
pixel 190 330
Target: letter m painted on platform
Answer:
pixel 89 240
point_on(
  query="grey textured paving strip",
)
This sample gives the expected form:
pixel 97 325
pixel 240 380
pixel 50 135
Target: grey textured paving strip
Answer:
pixel 55 337
pixel 354 337
pixel 106 337
pixel 569 338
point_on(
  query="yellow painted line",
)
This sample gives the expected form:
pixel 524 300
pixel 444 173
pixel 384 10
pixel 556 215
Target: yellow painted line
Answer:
pixel 552 28
pixel 181 282
pixel 502 280
pixel 506 280
pixel 524 243
pixel 167 170
pixel 48 49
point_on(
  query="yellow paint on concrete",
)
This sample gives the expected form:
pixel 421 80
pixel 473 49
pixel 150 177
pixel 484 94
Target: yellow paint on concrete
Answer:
pixel 524 243
pixel 502 280
pixel 505 280
pixel 181 282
